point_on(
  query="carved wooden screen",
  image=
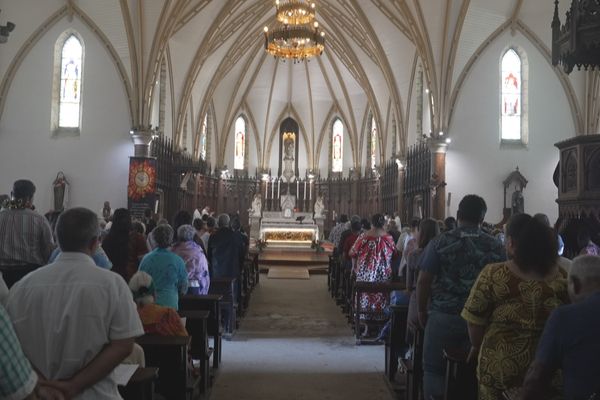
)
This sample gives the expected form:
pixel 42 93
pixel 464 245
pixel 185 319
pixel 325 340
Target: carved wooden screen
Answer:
pixel 417 190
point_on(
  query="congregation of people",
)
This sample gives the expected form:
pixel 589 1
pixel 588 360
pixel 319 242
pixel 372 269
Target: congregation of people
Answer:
pixel 96 282
pixel 502 295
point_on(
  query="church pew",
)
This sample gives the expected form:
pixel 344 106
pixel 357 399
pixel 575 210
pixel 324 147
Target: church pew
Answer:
pixel 196 325
pixel 396 339
pixel 11 274
pixel 211 303
pixel 414 367
pixel 140 385
pixel 461 380
pixel 365 288
pixel 168 354
pixel 227 288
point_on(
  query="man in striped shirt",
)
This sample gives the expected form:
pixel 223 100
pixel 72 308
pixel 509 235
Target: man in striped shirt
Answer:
pixel 25 235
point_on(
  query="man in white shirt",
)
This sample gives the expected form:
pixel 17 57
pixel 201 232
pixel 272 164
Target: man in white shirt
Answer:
pixel 76 322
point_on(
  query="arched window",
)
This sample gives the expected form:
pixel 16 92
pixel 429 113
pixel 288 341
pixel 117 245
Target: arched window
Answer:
pixel 240 143
pixel 373 143
pixel 512 97
pixel 68 73
pixel 337 146
pixel 203 135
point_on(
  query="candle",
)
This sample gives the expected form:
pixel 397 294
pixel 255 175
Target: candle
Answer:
pixel 266 190
pixel 278 187
pixel 273 189
pixel 297 188
pixel 310 190
pixel 304 189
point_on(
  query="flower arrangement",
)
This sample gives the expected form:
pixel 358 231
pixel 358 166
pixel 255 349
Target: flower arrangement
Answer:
pixel 317 246
pixel 261 245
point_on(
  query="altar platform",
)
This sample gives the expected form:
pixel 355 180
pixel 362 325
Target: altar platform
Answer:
pixel 281 258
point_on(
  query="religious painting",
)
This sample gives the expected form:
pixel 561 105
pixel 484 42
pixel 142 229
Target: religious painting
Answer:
pixel 511 96
pixel 203 134
pixel 70 83
pixel 373 143
pixel 288 149
pixel 337 146
pixel 141 188
pixel 240 143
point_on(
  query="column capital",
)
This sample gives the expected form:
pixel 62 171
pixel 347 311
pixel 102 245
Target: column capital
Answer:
pixel 142 138
pixel 438 145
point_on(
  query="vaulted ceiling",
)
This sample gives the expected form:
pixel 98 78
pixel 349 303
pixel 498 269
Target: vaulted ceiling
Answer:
pixel 215 61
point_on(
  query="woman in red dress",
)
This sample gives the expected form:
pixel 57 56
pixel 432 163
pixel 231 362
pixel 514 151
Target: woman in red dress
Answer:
pixel 372 253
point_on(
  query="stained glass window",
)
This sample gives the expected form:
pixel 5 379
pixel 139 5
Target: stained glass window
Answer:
pixel 70 83
pixel 240 143
pixel 337 155
pixel 203 133
pixel 373 143
pixel 511 96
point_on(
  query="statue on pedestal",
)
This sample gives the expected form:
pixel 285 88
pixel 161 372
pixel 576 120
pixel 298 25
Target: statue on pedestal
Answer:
pixel 518 202
pixel 319 207
pixel 256 210
pixel 60 188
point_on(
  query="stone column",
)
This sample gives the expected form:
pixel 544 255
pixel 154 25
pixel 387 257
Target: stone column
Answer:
pixel 142 139
pixel 438 168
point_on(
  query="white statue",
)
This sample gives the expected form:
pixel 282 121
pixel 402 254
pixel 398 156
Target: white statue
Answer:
pixel 319 207
pixel 256 209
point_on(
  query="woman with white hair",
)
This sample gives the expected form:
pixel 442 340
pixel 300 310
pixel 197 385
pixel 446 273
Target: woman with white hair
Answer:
pixel 156 319
pixel 166 268
pixel 194 258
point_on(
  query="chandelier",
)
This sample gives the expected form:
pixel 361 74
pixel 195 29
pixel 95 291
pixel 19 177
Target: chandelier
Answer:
pixel 296 35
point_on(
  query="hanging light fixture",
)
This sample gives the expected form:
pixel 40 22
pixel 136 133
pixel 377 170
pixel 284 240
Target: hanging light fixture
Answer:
pixel 297 35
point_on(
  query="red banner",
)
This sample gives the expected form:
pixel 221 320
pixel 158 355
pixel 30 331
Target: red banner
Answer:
pixel 141 189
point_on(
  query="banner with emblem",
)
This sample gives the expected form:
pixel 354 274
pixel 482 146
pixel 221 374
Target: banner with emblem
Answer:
pixel 141 189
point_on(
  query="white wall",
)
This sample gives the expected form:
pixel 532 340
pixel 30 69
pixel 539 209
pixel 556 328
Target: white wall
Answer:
pixel 96 163
pixel 477 164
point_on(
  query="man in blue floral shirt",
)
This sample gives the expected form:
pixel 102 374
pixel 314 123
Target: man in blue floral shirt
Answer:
pixel 449 267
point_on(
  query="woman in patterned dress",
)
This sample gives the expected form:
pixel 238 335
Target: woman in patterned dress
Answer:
pixel 510 303
pixel 372 253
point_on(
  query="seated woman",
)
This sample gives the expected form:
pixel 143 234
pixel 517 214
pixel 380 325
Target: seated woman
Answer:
pixel 156 319
pixel 373 252
pixel 194 258
pixel 166 268
pixel 510 303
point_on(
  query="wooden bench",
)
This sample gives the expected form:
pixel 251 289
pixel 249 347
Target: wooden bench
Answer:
pixel 211 303
pixel 461 379
pixel 396 339
pixel 141 385
pixel 11 274
pixel 361 288
pixel 414 367
pixel 168 354
pixel 227 288
pixel 196 324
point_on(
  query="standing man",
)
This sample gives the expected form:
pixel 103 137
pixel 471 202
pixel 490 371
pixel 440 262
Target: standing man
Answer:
pixel 25 235
pixel 76 322
pixel 449 267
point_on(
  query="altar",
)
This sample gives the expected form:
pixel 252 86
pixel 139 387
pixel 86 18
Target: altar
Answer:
pixel 293 231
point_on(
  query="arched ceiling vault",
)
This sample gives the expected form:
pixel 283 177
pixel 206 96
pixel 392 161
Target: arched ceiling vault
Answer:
pixel 215 59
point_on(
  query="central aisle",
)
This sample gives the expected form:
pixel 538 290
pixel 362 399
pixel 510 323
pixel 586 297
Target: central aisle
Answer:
pixel 294 344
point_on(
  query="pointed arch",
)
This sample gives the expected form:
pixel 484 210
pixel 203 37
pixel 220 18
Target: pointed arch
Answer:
pixel 69 54
pixel 240 143
pixel 337 145
pixel 513 91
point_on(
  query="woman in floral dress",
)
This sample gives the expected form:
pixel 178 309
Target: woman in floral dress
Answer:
pixel 510 303
pixel 372 253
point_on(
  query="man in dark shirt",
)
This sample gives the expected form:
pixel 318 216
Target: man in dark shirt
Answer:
pixel 225 250
pixel 570 339
pixel 449 267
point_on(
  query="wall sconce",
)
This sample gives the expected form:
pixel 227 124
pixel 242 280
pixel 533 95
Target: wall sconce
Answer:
pixel 5 31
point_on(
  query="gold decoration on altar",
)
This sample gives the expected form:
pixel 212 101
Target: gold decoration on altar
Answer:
pixel 296 36
pixel 289 236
